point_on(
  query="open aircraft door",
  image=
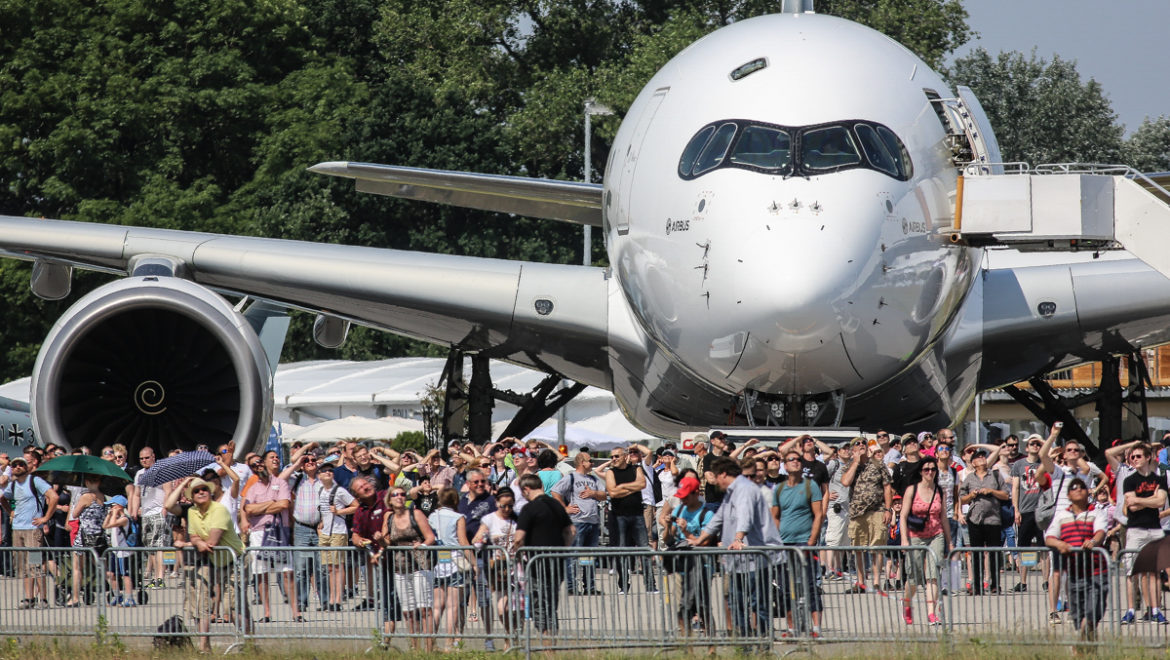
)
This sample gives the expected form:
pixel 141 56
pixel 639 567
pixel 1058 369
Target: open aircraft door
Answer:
pixel 969 125
pixel 630 163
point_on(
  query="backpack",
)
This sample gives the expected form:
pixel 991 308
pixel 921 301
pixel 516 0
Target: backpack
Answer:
pixel 172 635
pixel 1046 508
pixel 133 534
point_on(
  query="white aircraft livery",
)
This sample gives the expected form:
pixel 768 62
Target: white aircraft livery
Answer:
pixel 800 217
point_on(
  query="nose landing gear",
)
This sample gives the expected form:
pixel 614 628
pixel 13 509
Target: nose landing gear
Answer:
pixel 767 409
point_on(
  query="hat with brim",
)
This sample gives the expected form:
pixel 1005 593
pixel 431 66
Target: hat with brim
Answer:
pixel 196 483
pixel 686 487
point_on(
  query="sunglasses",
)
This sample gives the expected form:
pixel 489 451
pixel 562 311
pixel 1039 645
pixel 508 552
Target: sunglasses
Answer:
pixel 928 469
pixel 1076 487
pixel 1013 445
pixel 477 481
pixel 201 489
pixel 1035 444
pixel 792 460
pixel 121 456
pixel 1076 449
pixel 397 494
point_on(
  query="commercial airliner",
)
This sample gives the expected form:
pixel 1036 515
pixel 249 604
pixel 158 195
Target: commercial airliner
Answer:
pixel 781 211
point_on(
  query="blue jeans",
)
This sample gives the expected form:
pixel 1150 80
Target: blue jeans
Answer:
pixel 588 536
pixel 304 562
pixel 749 595
pixel 632 534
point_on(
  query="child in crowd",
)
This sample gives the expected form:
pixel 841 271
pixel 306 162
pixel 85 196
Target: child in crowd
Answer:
pixel 117 525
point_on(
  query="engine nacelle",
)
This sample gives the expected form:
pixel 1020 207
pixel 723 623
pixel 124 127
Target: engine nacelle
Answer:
pixel 158 361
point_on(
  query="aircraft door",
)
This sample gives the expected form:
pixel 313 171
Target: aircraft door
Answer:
pixel 630 162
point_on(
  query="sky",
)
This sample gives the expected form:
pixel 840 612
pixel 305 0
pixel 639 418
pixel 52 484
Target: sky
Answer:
pixel 1122 44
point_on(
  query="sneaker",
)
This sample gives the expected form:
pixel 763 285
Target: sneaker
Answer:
pixel 114 600
pixel 932 619
pixel 881 593
pixel 1126 619
pixel 621 592
pixel 364 606
pixel 945 591
pixel 857 588
pixel 489 645
pixel 129 602
pixel 653 592
pixel 1020 587
pixel 1159 618
pixel 1054 618
pixel 908 615
pixel 816 632
pixel 1062 606
pixel 1044 586
pixel 886 586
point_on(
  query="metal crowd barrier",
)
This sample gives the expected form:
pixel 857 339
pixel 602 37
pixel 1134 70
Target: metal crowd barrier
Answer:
pixel 993 610
pixel 568 598
pixel 625 598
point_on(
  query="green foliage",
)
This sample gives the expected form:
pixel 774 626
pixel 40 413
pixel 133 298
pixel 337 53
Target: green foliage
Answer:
pixel 204 116
pixel 415 441
pixel 1148 148
pixel 1042 112
pixel 930 28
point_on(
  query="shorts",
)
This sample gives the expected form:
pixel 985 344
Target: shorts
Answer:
pixel 117 566
pixel 455 580
pixel 28 564
pixel 414 590
pixel 204 586
pixel 837 526
pixel 331 557
pixel 868 529
pixel 156 532
pixel 261 563
pixel 1137 538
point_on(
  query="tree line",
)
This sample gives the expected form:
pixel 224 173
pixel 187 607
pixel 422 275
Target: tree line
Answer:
pixel 203 116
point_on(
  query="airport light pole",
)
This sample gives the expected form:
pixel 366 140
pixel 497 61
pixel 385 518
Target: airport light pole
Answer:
pixel 592 108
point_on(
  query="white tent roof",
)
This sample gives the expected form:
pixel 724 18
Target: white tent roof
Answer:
pixel 576 437
pixel 356 427
pixel 615 424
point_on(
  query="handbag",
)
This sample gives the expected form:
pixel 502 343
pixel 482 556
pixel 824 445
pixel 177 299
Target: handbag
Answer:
pixel 918 523
pixel 275 536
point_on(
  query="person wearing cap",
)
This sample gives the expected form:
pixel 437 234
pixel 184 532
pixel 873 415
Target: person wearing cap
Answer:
pixel 983 490
pixel 905 471
pixel 117 525
pixel 334 503
pixel 683 525
pixel 301 475
pixel 30 501
pixel 871 496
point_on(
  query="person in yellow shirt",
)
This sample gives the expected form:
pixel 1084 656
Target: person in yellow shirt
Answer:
pixel 215 542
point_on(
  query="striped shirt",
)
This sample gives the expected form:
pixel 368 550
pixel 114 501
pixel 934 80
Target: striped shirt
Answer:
pixel 1074 529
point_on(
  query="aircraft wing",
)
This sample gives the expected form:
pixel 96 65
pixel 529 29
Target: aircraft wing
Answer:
pixel 548 316
pixel 537 198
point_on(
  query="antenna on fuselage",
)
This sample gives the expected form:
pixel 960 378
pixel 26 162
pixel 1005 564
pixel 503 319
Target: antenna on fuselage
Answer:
pixel 796 6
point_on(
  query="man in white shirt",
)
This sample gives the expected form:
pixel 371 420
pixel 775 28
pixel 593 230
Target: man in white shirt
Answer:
pixel 147 507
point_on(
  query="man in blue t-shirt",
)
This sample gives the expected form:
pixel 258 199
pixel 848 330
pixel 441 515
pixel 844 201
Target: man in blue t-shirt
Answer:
pixel 31 501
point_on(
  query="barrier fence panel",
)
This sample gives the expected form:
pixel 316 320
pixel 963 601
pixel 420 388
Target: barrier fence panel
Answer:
pixel 1051 608
pixel 37 592
pixel 1144 628
pixel 856 608
pixel 290 593
pixel 195 598
pixel 642 598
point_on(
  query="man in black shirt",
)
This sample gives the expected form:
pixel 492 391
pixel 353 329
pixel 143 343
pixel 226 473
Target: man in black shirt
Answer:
pixel 1144 496
pixel 543 523
pixel 624 482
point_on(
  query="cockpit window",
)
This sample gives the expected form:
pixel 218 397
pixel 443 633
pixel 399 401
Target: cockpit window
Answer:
pixel 687 162
pixel 876 150
pixel 828 148
pixel 804 151
pixel 764 147
pixel 713 153
pixel 897 150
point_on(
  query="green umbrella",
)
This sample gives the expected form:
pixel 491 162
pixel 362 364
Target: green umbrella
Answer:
pixel 72 471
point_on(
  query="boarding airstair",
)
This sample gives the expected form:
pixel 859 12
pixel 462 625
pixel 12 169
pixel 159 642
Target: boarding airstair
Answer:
pixel 1065 208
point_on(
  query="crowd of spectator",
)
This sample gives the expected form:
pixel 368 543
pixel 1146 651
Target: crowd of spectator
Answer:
pixel 399 509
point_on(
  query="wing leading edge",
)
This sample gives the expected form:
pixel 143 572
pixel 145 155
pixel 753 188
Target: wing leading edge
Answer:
pixel 538 198
pixel 548 316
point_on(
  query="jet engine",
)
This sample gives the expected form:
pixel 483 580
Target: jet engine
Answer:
pixel 152 361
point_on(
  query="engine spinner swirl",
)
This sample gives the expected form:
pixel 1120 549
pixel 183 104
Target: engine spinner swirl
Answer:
pixel 150 397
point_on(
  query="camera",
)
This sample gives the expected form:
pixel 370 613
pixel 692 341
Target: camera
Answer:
pixel 836 507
